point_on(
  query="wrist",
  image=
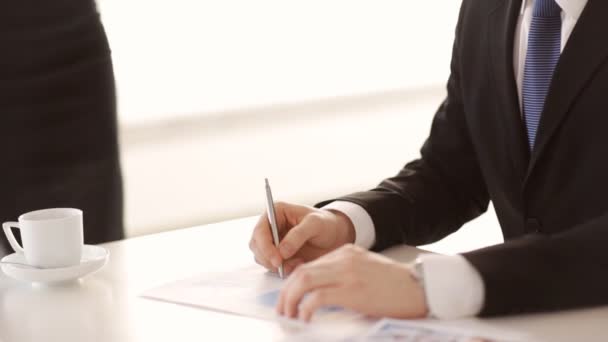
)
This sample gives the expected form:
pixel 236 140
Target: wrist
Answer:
pixel 345 227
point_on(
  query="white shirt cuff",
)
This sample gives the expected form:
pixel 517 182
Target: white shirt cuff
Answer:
pixel 454 288
pixel 365 233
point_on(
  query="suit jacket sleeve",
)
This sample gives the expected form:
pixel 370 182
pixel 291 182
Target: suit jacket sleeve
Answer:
pixel 434 195
pixel 546 273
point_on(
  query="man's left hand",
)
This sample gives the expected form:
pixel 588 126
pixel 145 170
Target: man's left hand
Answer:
pixel 353 278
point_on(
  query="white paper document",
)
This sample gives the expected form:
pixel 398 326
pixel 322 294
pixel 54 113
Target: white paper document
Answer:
pixel 250 291
pixel 254 292
pixel 388 330
pixel 393 330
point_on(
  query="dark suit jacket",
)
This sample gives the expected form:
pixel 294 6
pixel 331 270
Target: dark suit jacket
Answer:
pixel 58 131
pixel 552 203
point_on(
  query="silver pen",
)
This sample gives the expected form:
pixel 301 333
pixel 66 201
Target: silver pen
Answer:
pixel 273 221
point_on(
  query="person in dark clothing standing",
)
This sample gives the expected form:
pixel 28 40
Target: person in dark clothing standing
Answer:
pixel 58 141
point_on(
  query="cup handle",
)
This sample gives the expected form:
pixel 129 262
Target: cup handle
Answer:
pixel 11 238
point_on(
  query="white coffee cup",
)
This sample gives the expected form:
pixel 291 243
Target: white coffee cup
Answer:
pixel 51 237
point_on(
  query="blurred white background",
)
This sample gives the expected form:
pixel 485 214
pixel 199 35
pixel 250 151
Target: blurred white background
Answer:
pixel 322 97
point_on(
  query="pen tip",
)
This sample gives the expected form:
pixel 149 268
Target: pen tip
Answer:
pixel 266 180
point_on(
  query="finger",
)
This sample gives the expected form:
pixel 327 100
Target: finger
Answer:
pixel 304 280
pixel 298 235
pixel 290 215
pixel 290 265
pixel 259 257
pixel 330 296
pixel 263 244
pixel 330 262
pixel 265 264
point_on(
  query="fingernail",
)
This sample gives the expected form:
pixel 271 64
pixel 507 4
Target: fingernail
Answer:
pixel 276 261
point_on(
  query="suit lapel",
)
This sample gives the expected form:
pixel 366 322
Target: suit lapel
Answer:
pixel 502 23
pixel 585 51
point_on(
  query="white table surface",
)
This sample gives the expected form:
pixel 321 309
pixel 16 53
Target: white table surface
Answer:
pixel 106 306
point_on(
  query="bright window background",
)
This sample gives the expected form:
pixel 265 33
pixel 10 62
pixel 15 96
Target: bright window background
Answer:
pixel 322 97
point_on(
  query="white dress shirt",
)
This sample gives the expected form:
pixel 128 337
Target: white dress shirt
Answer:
pixel 454 288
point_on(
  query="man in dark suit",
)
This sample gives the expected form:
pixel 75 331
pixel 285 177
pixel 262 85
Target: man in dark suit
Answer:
pixel 59 143
pixel 523 125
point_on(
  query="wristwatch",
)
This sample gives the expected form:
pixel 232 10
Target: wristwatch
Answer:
pixel 417 271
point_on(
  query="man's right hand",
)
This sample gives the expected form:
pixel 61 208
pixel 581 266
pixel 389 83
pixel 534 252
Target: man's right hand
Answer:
pixel 306 234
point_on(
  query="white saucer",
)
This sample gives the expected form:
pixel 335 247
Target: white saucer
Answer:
pixel 93 258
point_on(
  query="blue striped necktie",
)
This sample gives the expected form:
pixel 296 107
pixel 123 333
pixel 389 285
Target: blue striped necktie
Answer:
pixel 544 45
